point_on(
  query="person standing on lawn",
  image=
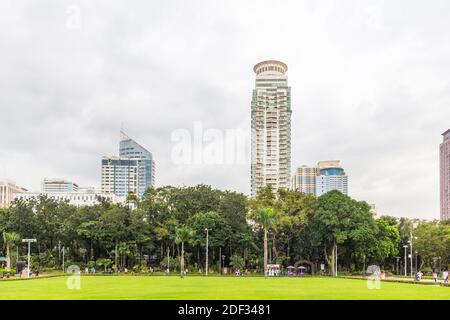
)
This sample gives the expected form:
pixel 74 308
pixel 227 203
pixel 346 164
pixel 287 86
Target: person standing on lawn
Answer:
pixel 445 276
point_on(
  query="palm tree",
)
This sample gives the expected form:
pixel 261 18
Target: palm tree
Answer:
pixel 183 235
pixel 9 239
pixel 266 217
pixel 237 262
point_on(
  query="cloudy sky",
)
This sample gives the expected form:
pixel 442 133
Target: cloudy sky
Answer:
pixel 370 86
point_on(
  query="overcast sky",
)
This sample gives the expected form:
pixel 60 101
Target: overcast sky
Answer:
pixel 370 86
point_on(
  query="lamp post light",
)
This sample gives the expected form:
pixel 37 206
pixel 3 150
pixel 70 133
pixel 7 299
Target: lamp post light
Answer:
pixel 406 261
pixel 207 243
pixel 59 251
pixel 411 251
pixel 396 269
pixel 29 241
pixel 416 252
pixel 168 260
pixel 63 250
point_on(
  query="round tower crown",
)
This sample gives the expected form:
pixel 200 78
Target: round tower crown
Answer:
pixel 270 67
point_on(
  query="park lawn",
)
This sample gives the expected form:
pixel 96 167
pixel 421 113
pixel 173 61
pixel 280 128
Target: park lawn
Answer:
pixel 214 288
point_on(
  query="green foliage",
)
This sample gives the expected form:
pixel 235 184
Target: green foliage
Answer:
pixel 293 226
pixel 218 229
pixel 105 263
pixel 237 262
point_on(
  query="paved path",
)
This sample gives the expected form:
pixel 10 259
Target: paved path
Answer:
pixel 412 279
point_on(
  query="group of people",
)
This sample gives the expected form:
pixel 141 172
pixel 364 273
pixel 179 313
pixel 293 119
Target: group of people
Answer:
pixel 87 270
pixel 435 276
pixel 273 272
pixel 419 276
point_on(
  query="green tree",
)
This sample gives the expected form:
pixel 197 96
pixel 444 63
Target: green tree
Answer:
pixel 10 239
pixel 183 235
pixel 104 262
pixel 432 243
pixel 266 218
pixel 340 220
pixel 237 262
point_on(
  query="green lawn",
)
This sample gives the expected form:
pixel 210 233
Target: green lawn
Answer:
pixel 173 287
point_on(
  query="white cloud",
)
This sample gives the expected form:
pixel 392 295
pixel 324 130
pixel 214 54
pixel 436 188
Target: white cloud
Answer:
pixel 369 86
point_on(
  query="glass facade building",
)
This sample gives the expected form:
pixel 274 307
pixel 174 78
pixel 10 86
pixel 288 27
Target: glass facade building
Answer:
pixel 320 179
pixel 331 176
pixel 133 171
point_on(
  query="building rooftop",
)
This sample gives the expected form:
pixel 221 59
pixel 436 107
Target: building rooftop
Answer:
pixel 272 63
pixel 446 134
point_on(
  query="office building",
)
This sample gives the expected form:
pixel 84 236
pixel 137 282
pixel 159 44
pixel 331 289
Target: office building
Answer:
pixel 444 161
pixel 7 191
pixel 331 176
pixel 132 172
pixel 304 179
pixel 131 149
pixel 58 185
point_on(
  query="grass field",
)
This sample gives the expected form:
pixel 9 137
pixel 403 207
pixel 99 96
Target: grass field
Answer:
pixel 160 287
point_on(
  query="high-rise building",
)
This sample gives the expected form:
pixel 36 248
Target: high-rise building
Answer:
pixel 444 158
pixel 58 185
pixel 130 148
pixel 331 176
pixel 271 127
pixel 120 175
pixel 304 179
pixel 133 171
pixel 7 191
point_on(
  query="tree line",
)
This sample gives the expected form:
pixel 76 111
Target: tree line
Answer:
pixel 167 229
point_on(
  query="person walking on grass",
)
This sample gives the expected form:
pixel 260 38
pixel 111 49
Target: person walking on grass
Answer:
pixel 435 276
pixel 445 276
pixel 419 275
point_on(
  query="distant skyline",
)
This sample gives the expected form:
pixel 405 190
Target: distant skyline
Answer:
pixel 369 83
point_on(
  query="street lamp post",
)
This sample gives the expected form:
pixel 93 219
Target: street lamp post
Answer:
pixel 59 251
pixel 207 243
pixel 63 269
pixel 29 241
pixel 406 261
pixel 396 269
pixel 411 250
pixel 416 258
pixel 168 259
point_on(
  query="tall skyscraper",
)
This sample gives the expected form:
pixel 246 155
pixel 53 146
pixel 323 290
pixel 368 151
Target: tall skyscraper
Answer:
pixel 331 176
pixel 132 172
pixel 271 127
pixel 7 191
pixel 444 158
pixel 304 179
pixel 58 185
pixel 130 148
